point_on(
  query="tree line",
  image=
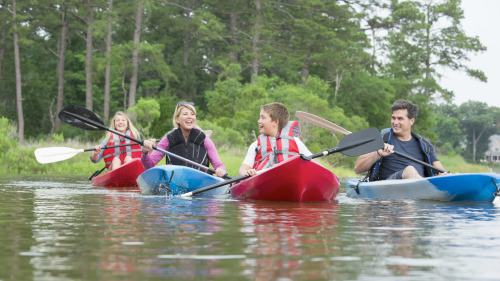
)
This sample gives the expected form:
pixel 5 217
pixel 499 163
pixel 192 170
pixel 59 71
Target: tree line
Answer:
pixel 346 61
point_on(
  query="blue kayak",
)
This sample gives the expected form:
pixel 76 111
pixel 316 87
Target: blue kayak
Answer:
pixel 176 180
pixel 480 187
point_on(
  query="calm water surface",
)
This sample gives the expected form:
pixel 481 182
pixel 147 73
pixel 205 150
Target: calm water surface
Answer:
pixel 62 228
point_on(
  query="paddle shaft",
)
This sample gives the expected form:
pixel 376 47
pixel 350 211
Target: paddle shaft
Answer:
pixel 203 189
pixel 420 162
pixel 111 146
pixel 318 121
pixel 340 149
pixel 141 142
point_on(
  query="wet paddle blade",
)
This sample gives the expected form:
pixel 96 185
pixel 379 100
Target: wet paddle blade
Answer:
pixel 66 116
pixel 361 142
pixel 55 154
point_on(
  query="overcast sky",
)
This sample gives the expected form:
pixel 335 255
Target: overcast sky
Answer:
pixel 482 18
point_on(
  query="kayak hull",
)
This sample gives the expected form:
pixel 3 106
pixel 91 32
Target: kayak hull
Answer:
pixel 293 180
pixel 176 180
pixel 124 176
pixel 478 187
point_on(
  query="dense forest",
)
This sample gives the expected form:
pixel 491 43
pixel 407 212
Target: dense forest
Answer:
pixel 346 61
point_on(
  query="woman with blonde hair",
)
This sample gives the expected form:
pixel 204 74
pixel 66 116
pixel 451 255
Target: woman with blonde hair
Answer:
pixel 186 140
pixel 117 156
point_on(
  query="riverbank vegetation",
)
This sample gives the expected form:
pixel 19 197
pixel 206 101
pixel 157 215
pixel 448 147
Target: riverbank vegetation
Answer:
pixel 345 61
pixel 20 159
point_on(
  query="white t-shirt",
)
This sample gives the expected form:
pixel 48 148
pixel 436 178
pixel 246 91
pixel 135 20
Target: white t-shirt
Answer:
pixel 250 158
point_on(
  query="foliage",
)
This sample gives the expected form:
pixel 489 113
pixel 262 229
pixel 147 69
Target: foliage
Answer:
pixel 479 122
pixel 223 138
pixel 231 57
pixel 143 113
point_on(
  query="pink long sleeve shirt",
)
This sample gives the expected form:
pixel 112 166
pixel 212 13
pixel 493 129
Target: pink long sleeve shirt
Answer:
pixel 150 160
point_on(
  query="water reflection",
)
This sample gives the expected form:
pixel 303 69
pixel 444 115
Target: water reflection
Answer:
pixel 283 234
pixel 69 230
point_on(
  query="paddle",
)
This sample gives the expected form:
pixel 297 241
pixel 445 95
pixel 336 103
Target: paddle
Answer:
pixel 83 118
pixel 46 155
pixel 354 144
pixel 336 128
pixel 222 183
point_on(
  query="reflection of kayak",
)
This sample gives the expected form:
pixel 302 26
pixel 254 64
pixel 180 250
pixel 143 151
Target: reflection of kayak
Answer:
pixel 480 187
pixel 176 180
pixel 294 180
pixel 124 176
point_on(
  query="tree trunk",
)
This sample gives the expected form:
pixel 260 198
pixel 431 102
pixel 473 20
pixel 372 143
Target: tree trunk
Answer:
pixel 255 42
pixel 124 75
pixel 474 145
pixel 191 88
pixel 135 54
pixel 2 50
pixel 475 141
pixel 88 60
pixel 186 34
pixel 107 79
pixel 338 80
pixel 17 61
pixel 60 67
pixel 234 35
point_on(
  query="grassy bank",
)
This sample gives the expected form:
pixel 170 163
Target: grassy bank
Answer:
pixel 17 159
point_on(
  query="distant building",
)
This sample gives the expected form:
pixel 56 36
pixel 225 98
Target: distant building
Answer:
pixel 493 153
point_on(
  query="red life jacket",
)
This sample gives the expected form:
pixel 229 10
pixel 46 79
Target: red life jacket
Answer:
pixel 271 151
pixel 133 151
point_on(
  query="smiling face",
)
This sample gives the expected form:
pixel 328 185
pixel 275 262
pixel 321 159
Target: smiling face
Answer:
pixel 186 119
pixel 121 123
pixel 401 124
pixel 266 125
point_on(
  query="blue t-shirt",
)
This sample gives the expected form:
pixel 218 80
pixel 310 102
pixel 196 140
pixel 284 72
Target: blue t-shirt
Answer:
pixel 394 163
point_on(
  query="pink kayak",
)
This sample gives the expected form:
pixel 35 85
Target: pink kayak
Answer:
pixel 125 176
pixel 294 180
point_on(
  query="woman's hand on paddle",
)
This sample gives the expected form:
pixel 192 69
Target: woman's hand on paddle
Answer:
pixel 147 145
pixel 97 150
pixel 219 172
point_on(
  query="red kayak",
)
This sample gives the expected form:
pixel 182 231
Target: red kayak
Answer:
pixel 293 180
pixel 124 176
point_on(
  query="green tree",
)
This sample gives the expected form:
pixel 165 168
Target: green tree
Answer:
pixel 479 122
pixel 426 36
pixel 143 113
pixel 448 129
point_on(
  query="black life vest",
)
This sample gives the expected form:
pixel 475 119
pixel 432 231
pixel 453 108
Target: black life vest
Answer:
pixel 425 147
pixel 192 149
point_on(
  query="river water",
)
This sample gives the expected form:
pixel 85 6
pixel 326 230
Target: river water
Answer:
pixel 62 228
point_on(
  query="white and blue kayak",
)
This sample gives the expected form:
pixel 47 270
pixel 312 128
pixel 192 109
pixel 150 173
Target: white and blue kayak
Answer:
pixel 480 187
pixel 176 180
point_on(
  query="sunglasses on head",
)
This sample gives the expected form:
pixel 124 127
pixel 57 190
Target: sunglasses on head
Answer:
pixel 183 103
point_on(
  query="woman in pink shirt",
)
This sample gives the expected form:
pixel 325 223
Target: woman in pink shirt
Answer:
pixel 186 140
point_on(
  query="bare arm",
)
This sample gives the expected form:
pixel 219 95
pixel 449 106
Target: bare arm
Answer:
pixel 246 170
pixel 440 166
pixel 366 161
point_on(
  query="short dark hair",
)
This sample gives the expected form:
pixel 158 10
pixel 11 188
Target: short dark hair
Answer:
pixel 277 111
pixel 406 104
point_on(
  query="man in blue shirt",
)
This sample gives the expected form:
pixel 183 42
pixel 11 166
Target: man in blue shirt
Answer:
pixel 383 164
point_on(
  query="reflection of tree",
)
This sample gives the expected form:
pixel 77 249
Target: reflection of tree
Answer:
pixel 16 218
pixel 283 234
pixel 391 226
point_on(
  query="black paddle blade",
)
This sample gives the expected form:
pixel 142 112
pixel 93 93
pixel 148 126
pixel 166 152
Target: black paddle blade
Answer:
pixel 361 142
pixel 67 116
